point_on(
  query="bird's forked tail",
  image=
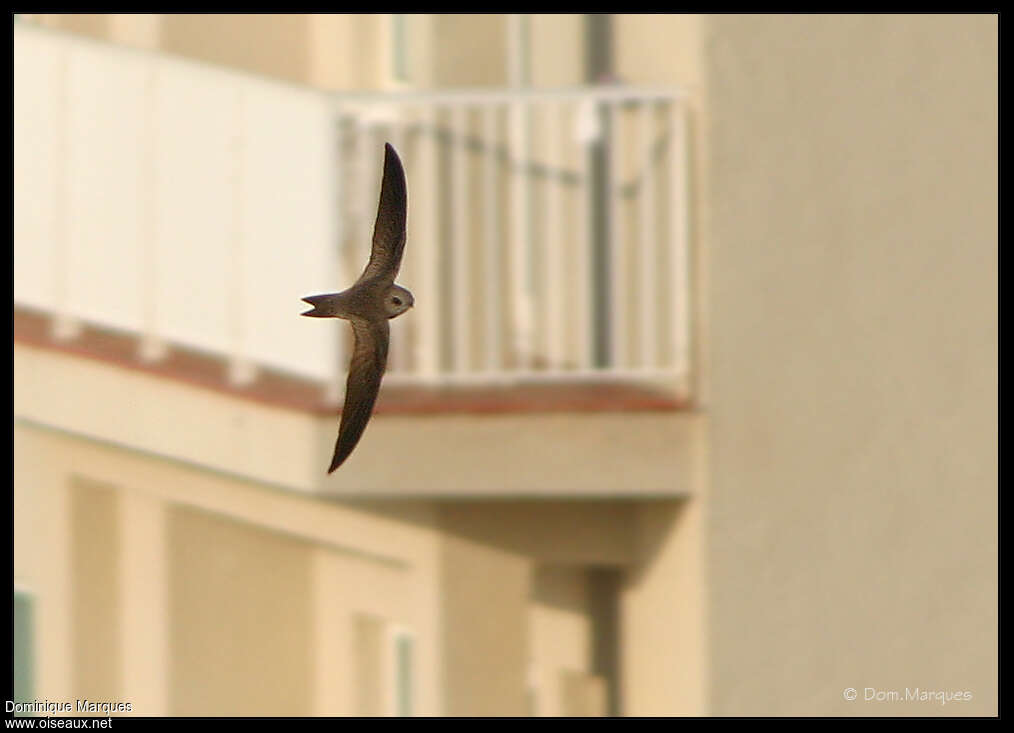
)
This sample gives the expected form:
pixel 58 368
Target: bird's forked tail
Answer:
pixel 324 306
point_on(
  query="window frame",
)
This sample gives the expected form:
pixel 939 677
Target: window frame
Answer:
pixel 401 680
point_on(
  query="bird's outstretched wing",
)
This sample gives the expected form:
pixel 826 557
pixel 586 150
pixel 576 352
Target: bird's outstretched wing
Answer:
pixel 365 372
pixel 389 229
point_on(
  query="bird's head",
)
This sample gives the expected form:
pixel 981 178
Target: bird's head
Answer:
pixel 397 300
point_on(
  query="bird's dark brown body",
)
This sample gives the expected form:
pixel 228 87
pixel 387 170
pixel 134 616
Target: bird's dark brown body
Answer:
pixel 368 305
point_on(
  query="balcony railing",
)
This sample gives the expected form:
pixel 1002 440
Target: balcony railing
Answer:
pixel 194 205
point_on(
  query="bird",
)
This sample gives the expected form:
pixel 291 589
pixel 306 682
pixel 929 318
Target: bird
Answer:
pixel 368 305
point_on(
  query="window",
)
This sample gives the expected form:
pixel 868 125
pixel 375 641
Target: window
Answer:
pixel 384 667
pixel 403 648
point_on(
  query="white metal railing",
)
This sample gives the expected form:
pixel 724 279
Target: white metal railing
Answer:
pixel 193 205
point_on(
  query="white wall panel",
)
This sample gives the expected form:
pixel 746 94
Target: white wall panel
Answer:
pixel 36 166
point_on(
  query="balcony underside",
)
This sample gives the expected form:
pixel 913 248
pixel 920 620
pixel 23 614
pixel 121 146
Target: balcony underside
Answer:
pixel 629 441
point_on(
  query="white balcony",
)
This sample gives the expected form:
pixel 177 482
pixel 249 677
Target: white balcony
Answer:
pixel 195 206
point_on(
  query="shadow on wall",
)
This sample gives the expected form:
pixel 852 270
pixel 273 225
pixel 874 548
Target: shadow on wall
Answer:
pixel 503 559
pixel 593 532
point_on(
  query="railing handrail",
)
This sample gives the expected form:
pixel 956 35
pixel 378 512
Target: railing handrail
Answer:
pixel 499 95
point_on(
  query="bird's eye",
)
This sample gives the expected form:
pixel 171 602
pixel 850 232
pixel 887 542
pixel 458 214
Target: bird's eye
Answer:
pixel 396 301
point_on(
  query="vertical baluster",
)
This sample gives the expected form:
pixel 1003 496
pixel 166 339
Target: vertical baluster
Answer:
pixel 584 131
pixel 555 279
pixel 459 238
pixel 618 258
pixel 679 239
pixel 649 252
pixel 492 291
pixel 428 303
pixel 519 237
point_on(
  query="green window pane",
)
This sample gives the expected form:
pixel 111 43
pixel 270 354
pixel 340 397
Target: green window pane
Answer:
pixel 403 653
pixel 23 662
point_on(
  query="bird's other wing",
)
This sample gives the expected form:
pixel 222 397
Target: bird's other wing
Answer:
pixel 389 229
pixel 365 372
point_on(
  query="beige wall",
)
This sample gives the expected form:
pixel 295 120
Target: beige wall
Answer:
pixel 557 47
pixel 236 588
pixel 350 50
pixel 240 618
pixel 476 55
pixel 95 554
pixel 663 617
pixel 274 44
pixel 659 49
pixel 95 25
pixel 343 51
pixel 186 591
pixel 485 629
pixel 332 51
pixel 853 530
pixel 562 638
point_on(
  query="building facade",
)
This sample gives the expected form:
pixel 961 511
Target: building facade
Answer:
pixel 699 416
